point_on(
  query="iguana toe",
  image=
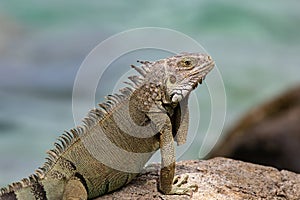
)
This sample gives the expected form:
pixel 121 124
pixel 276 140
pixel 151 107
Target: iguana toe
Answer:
pixel 180 186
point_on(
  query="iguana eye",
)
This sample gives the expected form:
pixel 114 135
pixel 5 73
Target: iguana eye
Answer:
pixel 187 63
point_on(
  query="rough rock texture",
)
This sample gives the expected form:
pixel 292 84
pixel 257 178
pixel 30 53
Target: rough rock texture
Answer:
pixel 268 134
pixel 218 178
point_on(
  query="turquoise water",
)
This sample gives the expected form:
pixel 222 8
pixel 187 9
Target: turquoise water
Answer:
pixel 256 46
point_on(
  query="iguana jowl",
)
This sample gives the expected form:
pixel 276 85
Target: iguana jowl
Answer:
pixel 117 139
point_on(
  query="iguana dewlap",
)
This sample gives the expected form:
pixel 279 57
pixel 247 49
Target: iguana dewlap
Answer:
pixel 117 139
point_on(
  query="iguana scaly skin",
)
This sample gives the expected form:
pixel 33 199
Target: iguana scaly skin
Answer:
pixel 117 139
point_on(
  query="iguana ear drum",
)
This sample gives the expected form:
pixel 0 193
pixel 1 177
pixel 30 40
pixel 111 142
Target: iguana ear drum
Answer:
pixel 172 79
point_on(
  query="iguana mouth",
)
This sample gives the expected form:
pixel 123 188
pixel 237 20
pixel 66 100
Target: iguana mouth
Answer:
pixel 197 83
pixel 203 71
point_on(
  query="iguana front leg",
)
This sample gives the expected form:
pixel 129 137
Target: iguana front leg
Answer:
pixel 167 183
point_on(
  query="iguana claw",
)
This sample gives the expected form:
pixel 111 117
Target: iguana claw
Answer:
pixel 177 188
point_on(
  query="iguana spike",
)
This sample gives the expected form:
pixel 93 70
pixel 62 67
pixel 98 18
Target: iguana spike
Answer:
pixel 97 112
pixel 87 121
pixel 54 153
pixel 66 137
pixel 10 188
pixel 113 98
pixel 79 130
pixel 50 158
pixel 121 96
pixel 25 182
pixel 74 133
pixel 58 147
pixel 116 96
pixel 33 178
pixel 3 191
pixel 47 165
pixel 143 62
pixel 64 142
pixel 105 106
pixel 16 185
pixel 42 169
pixel 110 103
pixel 137 80
pixel 139 70
pixel 130 84
pixel 126 91
pixel 39 173
pixel 145 65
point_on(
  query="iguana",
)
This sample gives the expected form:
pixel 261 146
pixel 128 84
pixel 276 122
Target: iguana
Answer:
pixel 117 138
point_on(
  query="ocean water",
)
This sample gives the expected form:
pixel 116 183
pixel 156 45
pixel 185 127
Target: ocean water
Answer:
pixel 256 47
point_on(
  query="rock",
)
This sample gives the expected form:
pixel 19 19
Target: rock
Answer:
pixel 218 178
pixel 267 135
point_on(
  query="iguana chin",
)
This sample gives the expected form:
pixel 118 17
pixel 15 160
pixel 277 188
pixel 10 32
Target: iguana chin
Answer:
pixel 122 133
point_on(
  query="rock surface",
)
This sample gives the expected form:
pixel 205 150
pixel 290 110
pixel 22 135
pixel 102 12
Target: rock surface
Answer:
pixel 218 178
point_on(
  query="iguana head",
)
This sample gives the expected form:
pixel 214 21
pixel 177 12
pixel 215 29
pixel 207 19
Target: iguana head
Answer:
pixel 171 79
pixel 184 72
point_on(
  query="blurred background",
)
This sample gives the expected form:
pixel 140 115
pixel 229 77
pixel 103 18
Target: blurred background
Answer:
pixel 256 47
